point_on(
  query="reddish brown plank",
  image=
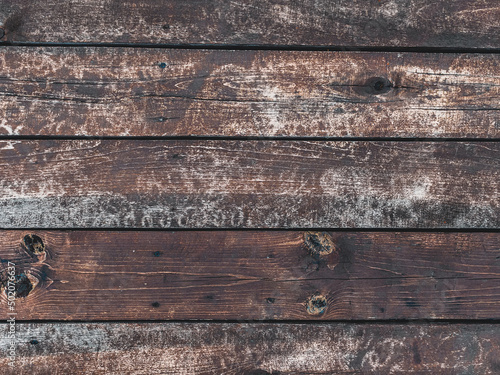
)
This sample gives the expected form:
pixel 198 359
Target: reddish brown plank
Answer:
pixel 154 92
pixel 248 184
pixel 253 349
pixel 424 23
pixel 89 275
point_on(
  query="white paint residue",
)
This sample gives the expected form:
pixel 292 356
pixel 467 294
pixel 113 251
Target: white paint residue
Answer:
pixel 8 145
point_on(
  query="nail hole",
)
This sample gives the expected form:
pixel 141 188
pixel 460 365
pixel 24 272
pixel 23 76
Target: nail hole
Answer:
pixel 162 65
pixel 377 86
pixel 156 254
pixel 34 342
pixel 33 244
pixel 316 305
pixel 155 304
pixel 166 27
pixel 271 300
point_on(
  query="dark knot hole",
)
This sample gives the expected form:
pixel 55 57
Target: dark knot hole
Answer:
pixel 378 85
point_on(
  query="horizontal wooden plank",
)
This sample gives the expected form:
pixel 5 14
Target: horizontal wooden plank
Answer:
pixel 248 184
pixel 272 275
pixel 252 349
pixel 424 23
pixel 154 92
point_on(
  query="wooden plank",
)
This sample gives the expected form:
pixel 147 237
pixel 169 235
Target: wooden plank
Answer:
pixel 248 184
pixel 272 275
pixel 424 23
pixel 253 349
pixel 154 92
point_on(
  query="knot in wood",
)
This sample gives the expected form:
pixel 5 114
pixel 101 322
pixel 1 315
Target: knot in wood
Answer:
pixel 316 305
pixel 322 249
pixel 377 86
pixel 319 243
pixel 23 285
pixel 33 244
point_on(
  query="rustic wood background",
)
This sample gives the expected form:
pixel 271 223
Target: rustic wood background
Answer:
pixel 250 187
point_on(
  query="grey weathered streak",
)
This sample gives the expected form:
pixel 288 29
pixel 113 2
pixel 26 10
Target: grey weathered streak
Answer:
pixel 253 349
pixel 155 92
pixel 393 23
pixel 272 275
pixel 248 184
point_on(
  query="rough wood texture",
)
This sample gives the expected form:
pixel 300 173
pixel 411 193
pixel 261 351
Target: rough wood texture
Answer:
pixel 248 184
pixel 390 23
pixel 87 275
pixel 152 92
pixel 254 349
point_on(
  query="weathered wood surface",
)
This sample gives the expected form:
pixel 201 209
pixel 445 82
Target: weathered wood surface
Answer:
pixel 248 184
pixel 153 92
pixel 96 275
pixel 390 23
pixel 253 349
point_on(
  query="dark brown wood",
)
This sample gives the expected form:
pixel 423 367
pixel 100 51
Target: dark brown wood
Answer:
pixel 253 349
pixel 85 68
pixel 248 184
pixel 272 275
pixel 155 92
pixel 424 23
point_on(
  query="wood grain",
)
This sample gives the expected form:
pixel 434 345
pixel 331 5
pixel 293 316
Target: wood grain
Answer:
pixel 253 349
pixel 248 184
pixel 424 23
pixel 154 92
pixel 271 275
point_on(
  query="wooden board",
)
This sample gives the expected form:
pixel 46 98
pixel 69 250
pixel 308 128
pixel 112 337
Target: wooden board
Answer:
pixel 270 275
pixel 253 349
pixel 248 184
pixel 155 92
pixel 250 187
pixel 424 23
